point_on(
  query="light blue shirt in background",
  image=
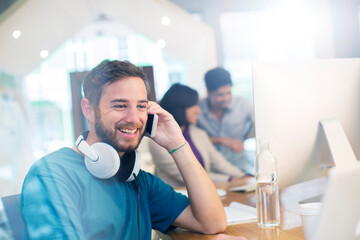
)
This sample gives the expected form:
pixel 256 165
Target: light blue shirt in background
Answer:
pixel 236 123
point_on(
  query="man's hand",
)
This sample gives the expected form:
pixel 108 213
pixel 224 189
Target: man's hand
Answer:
pixel 205 213
pixel 168 133
pixel 235 182
pixel 234 144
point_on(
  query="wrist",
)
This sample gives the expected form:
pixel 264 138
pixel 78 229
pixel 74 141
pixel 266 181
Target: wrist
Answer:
pixel 177 148
pixel 175 144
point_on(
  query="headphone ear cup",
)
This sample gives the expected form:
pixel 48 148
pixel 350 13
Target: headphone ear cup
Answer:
pixel 108 163
pixel 130 165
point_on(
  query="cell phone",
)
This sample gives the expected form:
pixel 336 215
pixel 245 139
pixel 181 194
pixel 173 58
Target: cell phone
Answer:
pixel 151 125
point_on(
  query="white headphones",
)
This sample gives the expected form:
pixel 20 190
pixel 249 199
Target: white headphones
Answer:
pixel 103 162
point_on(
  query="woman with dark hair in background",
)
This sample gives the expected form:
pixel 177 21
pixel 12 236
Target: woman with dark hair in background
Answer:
pixel 182 102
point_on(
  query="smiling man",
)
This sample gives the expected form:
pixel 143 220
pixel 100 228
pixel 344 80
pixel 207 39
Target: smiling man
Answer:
pixel 62 199
pixel 227 119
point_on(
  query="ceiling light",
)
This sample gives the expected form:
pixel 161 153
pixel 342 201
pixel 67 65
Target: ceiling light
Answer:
pixel 165 20
pixel 44 54
pixel 161 43
pixel 16 34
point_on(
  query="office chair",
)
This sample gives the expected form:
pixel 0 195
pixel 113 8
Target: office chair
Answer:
pixel 12 209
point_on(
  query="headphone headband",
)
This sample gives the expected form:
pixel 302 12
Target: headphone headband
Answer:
pixel 84 148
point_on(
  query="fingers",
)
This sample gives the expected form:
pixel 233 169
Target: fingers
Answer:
pixel 237 145
pixel 153 108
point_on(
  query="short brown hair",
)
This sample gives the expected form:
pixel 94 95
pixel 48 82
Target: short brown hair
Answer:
pixel 107 72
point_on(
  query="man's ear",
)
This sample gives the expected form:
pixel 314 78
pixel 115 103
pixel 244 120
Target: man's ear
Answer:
pixel 88 109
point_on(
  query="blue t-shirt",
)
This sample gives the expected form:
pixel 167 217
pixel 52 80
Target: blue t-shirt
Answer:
pixel 60 199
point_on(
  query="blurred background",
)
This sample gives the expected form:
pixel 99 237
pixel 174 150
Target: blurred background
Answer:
pixel 46 47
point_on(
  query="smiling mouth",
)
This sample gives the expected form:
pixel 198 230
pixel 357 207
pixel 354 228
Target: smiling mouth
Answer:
pixel 128 131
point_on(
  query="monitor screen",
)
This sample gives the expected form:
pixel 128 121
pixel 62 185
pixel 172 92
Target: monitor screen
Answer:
pixel 291 97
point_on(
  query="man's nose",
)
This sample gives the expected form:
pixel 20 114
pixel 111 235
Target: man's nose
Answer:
pixel 132 115
pixel 227 97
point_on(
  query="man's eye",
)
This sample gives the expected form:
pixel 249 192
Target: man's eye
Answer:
pixel 142 106
pixel 119 106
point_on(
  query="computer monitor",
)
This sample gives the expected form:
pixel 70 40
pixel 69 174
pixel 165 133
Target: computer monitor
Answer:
pixel 290 100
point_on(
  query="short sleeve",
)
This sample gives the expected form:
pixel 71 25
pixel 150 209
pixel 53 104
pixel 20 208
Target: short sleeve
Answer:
pixel 165 203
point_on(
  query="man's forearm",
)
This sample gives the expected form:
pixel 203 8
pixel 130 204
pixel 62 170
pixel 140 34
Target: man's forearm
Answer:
pixel 216 140
pixel 207 211
pixel 234 144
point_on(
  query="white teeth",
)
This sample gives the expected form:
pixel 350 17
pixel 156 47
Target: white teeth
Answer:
pixel 124 130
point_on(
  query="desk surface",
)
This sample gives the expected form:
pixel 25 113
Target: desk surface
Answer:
pixel 290 227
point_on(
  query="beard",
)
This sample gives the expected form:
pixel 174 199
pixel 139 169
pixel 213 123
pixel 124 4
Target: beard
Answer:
pixel 109 136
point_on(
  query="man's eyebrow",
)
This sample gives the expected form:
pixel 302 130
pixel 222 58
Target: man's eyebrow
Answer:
pixel 125 101
pixel 119 100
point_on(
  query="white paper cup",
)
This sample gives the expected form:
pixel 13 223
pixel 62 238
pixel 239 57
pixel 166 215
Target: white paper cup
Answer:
pixel 310 216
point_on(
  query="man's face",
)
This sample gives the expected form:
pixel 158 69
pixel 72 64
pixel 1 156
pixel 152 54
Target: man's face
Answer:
pixel 121 116
pixel 220 98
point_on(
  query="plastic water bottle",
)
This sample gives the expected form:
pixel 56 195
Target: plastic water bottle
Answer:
pixel 267 190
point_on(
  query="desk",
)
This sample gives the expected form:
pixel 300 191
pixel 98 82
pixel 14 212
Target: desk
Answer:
pixel 290 227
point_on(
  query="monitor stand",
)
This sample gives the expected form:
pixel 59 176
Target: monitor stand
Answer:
pixel 340 148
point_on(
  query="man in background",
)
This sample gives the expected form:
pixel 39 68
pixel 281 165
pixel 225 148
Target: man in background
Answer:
pixel 228 120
